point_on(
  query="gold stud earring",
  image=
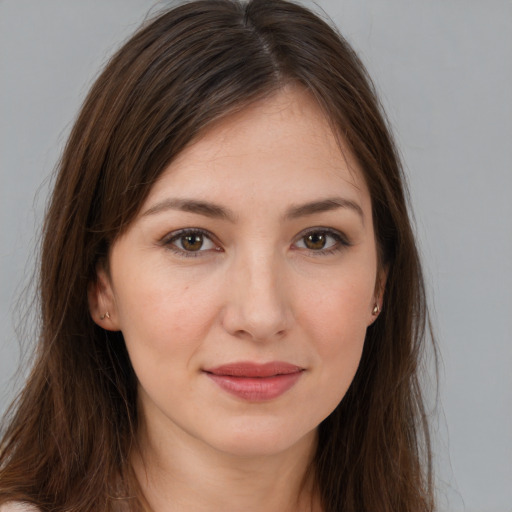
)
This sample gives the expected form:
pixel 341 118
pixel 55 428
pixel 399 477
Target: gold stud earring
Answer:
pixel 106 315
pixel 375 310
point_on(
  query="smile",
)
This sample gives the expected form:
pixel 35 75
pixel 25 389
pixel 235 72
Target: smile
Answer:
pixel 256 382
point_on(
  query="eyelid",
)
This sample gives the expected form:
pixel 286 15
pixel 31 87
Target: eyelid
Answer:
pixel 341 239
pixel 169 238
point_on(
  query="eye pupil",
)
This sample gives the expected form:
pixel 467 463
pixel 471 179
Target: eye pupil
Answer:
pixel 315 241
pixel 192 242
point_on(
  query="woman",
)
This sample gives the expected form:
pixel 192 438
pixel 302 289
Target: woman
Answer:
pixel 232 302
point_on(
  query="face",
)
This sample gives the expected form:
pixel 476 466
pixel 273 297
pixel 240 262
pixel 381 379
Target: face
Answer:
pixel 245 286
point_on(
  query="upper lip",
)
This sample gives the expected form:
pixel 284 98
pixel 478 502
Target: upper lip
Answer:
pixel 250 369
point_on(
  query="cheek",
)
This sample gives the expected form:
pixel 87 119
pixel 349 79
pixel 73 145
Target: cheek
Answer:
pixel 164 319
pixel 338 309
pixel 336 322
pixel 338 326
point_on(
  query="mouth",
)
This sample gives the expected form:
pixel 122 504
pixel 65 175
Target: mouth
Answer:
pixel 255 382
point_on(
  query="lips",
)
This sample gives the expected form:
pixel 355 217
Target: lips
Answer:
pixel 255 382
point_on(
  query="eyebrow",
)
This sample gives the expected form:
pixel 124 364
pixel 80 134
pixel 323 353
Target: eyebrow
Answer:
pixel 215 211
pixel 204 208
pixel 325 205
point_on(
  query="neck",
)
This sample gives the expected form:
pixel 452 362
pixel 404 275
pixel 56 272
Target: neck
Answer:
pixel 178 472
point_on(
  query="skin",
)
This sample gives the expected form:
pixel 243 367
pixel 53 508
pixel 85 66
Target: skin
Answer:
pixel 257 290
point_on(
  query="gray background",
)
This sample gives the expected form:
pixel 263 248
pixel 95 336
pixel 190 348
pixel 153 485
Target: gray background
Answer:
pixel 444 71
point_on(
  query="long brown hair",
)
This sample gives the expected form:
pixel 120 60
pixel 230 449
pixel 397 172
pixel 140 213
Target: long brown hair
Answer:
pixel 68 437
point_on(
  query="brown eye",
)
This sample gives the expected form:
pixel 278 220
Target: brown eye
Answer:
pixel 315 241
pixel 192 242
pixel 322 241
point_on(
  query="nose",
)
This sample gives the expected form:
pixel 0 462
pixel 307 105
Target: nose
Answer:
pixel 257 306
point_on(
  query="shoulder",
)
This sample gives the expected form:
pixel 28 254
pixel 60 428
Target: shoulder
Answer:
pixel 17 506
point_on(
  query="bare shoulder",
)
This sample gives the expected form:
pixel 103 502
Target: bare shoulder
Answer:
pixel 17 506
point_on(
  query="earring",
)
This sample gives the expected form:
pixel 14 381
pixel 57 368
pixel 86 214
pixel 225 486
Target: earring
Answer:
pixel 376 310
pixel 106 315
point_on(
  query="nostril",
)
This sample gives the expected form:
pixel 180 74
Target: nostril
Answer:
pixel 256 308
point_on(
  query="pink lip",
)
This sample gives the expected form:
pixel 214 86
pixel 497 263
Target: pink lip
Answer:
pixel 255 382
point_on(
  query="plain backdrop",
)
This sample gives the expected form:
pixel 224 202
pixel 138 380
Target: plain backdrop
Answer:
pixel 444 72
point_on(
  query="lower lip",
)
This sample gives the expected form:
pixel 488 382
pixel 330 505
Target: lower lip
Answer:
pixel 256 389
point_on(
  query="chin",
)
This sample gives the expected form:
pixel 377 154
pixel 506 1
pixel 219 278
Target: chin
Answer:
pixel 262 440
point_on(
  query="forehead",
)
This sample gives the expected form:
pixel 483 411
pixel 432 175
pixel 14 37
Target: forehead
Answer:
pixel 281 147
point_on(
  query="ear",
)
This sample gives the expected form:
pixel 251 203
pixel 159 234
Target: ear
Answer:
pixel 378 294
pixel 102 304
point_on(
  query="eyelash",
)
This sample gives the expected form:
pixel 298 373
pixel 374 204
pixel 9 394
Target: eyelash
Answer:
pixel 340 239
pixel 168 241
